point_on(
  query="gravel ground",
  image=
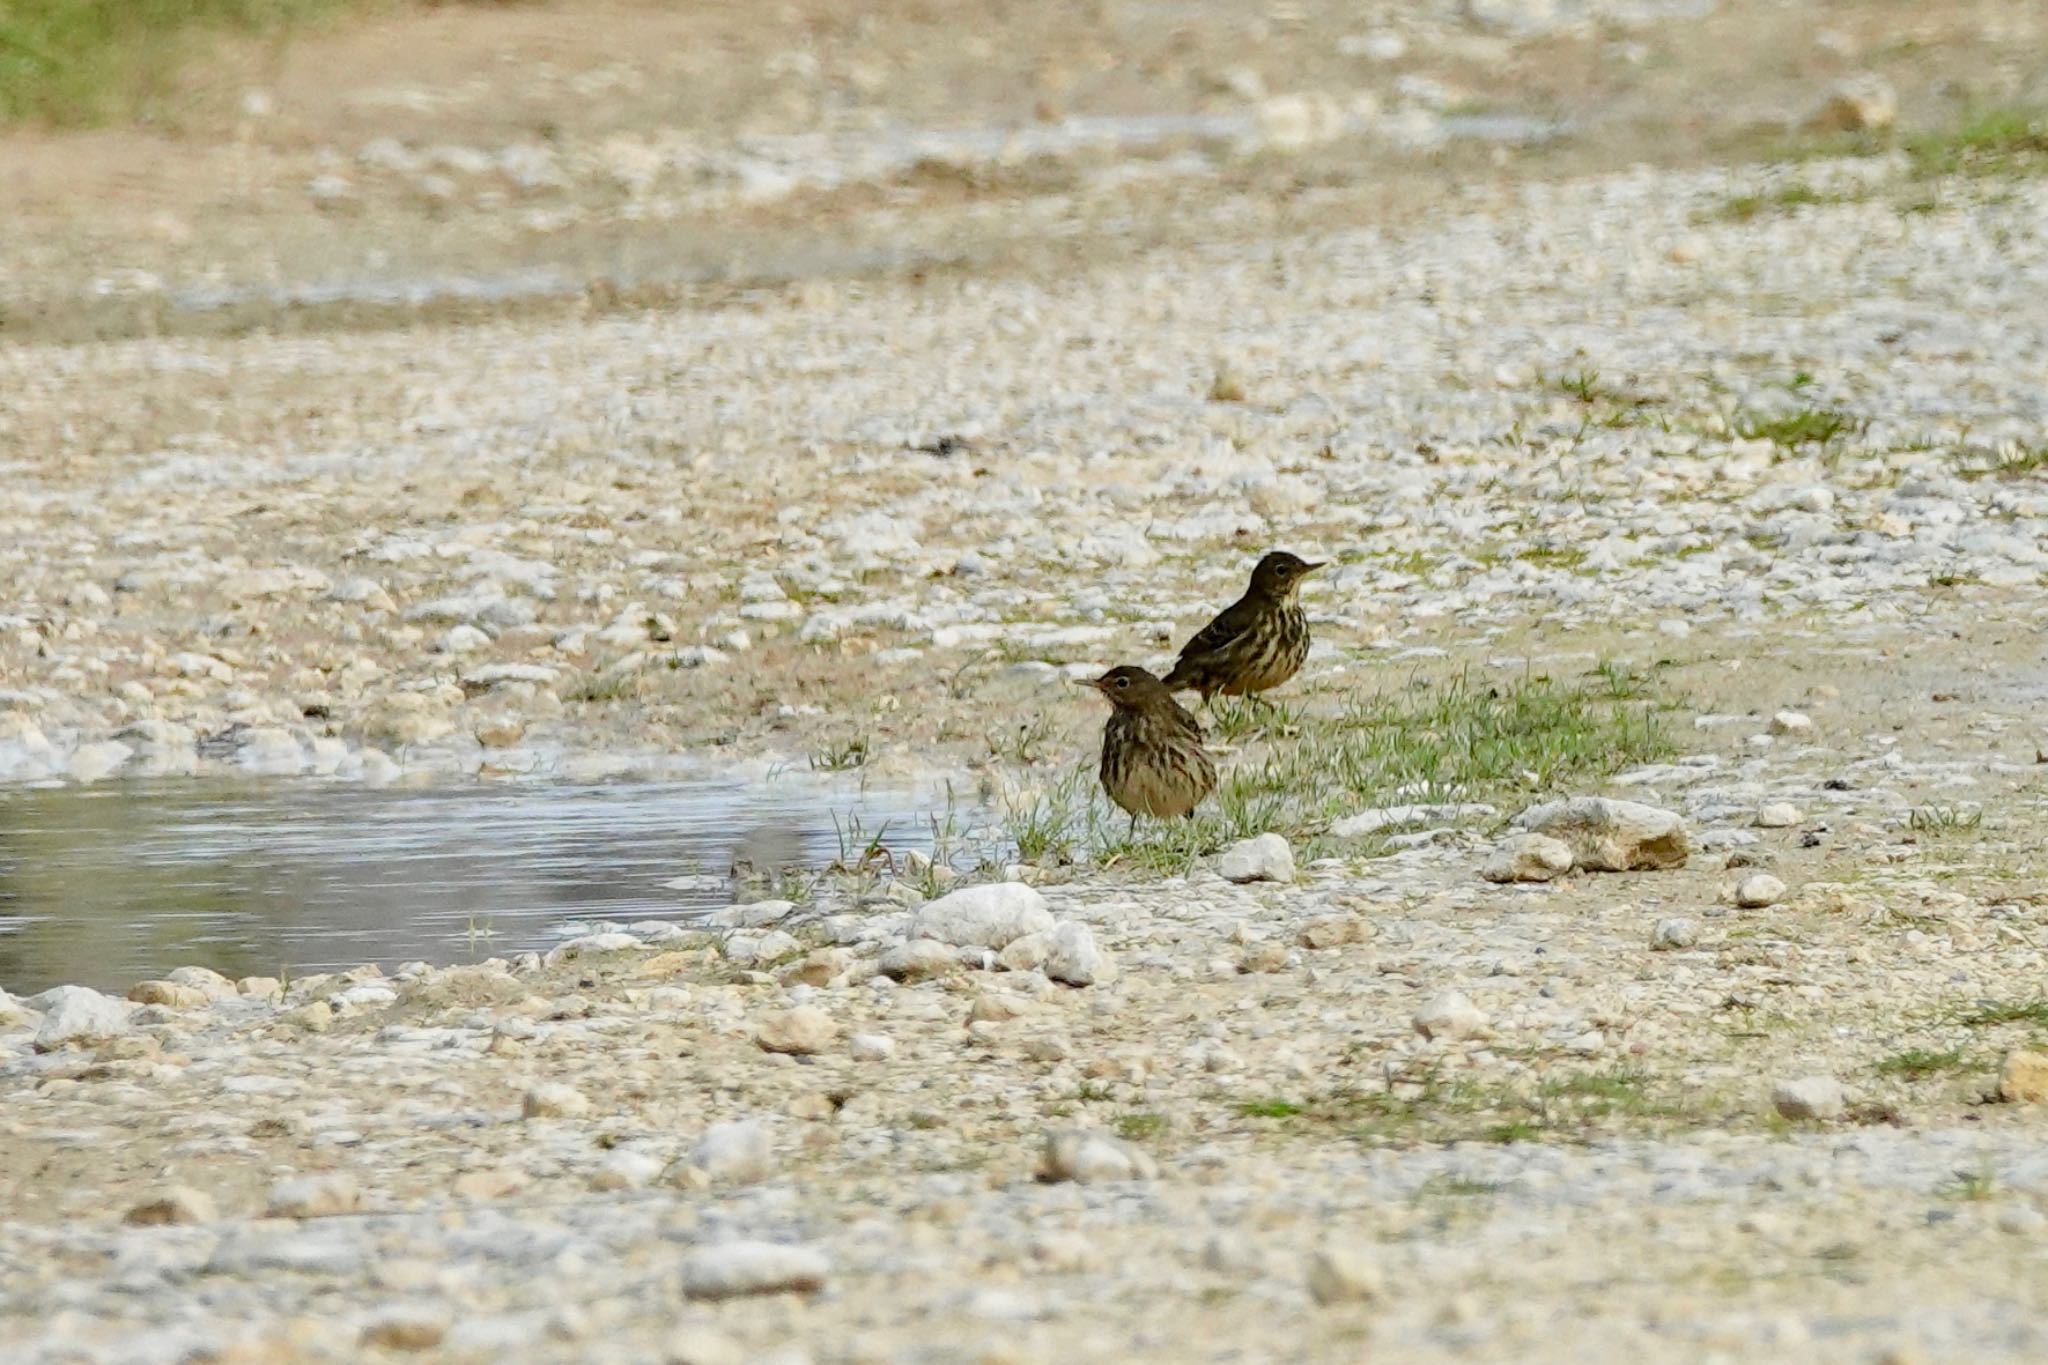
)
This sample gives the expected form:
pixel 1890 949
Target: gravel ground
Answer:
pixel 1768 439
pixel 1514 446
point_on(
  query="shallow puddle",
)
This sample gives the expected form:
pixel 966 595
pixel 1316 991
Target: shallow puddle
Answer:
pixel 108 885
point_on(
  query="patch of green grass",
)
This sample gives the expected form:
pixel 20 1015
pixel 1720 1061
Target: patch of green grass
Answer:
pixel 2011 461
pixel 1944 821
pixel 1455 740
pixel 841 757
pixel 1023 742
pixel 1742 208
pixel 1970 1187
pixel 1916 1064
pixel 603 687
pixel 1140 1127
pixel 1514 1130
pixel 2003 141
pixel 1599 1094
pixel 1991 1013
pixel 81 62
pixel 1269 1109
pixel 1233 718
pixel 1805 426
pixel 1583 385
pixel 1553 557
pixel 1621 682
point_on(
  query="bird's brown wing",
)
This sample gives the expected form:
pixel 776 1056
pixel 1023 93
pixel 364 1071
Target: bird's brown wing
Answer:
pixel 1212 639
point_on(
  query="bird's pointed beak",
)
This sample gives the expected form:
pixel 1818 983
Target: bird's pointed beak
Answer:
pixel 1319 564
pixel 1095 683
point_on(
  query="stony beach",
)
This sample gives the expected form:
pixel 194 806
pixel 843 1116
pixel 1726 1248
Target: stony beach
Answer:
pixel 1740 1053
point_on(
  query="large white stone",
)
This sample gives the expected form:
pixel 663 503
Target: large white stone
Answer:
pixel 78 1016
pixel 1091 1158
pixel 729 1269
pixel 1072 957
pixel 1449 1015
pixel 1264 859
pixel 990 916
pixel 1611 836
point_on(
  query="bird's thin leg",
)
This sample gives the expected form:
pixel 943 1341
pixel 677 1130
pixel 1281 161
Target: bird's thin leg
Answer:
pixel 1131 835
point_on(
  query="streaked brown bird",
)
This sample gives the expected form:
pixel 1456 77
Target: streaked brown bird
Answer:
pixel 1257 642
pixel 1153 762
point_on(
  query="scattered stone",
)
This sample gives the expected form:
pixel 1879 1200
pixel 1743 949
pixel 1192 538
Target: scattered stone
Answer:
pixel 625 1170
pixel 1073 959
pixel 1673 933
pixel 1809 1097
pixel 406 1329
pixel 1861 103
pixel 216 986
pixel 78 1016
pixel 2021 1220
pixel 702 1346
pixel 1529 858
pixel 732 1269
pixel 1091 1158
pixel 2023 1078
pixel 177 1206
pixel 918 960
pixel 1791 723
pixel 988 916
pixel 1345 1274
pixel 1264 859
pixel 314 1196
pixel 554 1100
pixel 1449 1015
pixel 591 945
pixel 1778 815
pixel 1334 931
pixel 492 1182
pixel 802 1031
pixel 169 994
pixel 1373 820
pixel 1611 836
pixel 751 915
pixel 735 1153
pixel 315 1016
pixel 1759 889
pixel 1263 957
pixel 1045 1049
pixel 999 1009
pixel 747 949
pixel 870 1047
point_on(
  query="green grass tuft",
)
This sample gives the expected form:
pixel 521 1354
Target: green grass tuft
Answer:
pixel 2006 141
pixel 1140 1127
pixel 71 63
pixel 1991 1013
pixel 1269 1109
pixel 1915 1064
pixel 1807 426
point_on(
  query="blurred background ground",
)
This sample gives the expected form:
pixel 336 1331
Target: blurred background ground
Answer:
pixel 244 164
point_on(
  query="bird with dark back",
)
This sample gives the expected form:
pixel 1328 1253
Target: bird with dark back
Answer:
pixel 1257 642
pixel 1153 762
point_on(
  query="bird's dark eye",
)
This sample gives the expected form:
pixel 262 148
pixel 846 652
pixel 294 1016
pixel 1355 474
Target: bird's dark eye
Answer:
pixel 1123 682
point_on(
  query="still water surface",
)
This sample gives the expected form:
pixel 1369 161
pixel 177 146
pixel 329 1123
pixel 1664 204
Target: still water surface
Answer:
pixel 108 885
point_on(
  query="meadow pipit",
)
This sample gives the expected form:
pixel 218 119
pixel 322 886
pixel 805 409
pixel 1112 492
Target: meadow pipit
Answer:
pixel 1257 642
pixel 1153 762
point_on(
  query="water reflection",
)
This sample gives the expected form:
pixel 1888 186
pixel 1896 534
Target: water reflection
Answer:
pixel 108 885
